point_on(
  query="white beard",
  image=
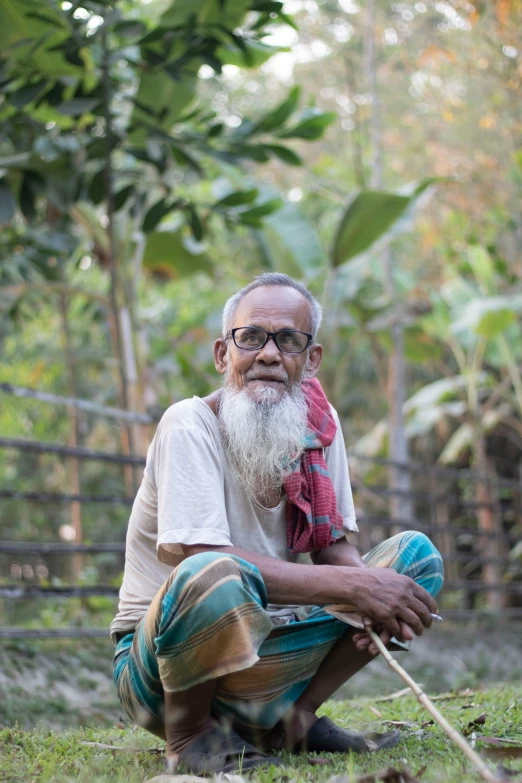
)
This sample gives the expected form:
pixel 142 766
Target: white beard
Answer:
pixel 264 437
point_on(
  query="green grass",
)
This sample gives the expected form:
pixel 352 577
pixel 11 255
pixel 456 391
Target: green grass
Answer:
pixel 43 755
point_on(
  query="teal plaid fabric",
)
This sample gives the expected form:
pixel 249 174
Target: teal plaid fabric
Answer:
pixel 209 622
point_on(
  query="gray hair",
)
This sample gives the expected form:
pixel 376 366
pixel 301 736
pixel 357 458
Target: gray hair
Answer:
pixel 272 279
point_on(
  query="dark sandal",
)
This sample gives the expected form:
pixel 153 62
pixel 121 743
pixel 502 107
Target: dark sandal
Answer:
pixel 326 737
pixel 220 750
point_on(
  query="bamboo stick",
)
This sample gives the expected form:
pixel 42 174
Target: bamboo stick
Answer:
pixel 423 699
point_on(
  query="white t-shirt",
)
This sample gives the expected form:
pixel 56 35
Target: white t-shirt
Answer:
pixel 189 496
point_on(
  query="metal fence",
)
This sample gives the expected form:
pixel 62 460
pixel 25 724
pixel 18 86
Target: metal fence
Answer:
pixel 477 537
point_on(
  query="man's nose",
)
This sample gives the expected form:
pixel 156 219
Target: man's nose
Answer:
pixel 269 353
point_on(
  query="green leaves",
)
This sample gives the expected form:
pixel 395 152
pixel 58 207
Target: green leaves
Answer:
pixel 171 254
pixel 284 154
pixel 311 127
pixel 290 243
pixel 278 116
pixel 7 204
pixel 488 316
pixel 238 198
pixel 368 218
pixel 252 217
pixel 78 106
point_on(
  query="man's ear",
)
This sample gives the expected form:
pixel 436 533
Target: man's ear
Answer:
pixel 315 356
pixel 220 354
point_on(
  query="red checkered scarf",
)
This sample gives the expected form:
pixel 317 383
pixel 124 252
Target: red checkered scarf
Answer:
pixel 313 521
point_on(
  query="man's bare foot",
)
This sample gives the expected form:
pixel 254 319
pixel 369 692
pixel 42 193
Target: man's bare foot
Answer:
pixel 290 730
pixel 182 734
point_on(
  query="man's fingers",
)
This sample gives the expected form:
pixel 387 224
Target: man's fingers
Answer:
pixel 409 617
pixel 422 595
pixel 391 624
pixel 420 609
pixel 406 632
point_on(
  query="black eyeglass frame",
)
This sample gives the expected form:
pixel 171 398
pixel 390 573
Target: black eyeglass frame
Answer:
pixel 269 335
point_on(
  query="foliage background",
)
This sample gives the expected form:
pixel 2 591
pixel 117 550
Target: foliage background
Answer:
pixel 113 199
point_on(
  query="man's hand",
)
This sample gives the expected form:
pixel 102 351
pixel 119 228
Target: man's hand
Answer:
pixel 393 602
pixel 364 642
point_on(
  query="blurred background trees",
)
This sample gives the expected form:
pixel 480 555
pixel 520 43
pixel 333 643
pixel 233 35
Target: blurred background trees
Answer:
pixel 155 156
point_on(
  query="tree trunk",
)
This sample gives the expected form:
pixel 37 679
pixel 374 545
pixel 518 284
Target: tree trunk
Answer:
pixel 401 506
pixel 128 440
pixel 488 523
pixel 72 439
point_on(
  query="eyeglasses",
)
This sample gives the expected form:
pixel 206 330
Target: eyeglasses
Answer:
pixel 253 338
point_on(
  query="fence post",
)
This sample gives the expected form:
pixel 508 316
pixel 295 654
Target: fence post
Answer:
pixel 444 537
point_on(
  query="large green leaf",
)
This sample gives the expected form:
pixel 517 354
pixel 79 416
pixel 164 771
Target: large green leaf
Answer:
pixel 290 243
pixel 368 218
pixel 482 266
pixel 488 316
pixel 171 254
pixel 463 438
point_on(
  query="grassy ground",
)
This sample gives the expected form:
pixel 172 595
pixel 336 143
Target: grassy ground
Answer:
pixel 44 755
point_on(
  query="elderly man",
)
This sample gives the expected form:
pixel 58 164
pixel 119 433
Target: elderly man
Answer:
pixel 223 636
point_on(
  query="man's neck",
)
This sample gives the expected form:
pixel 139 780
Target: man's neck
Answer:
pixel 212 401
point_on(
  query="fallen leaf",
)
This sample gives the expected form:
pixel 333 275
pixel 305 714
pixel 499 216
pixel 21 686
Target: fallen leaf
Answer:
pixel 399 723
pixel 506 752
pixel 480 721
pixel 428 723
pixel 467 706
pixel 316 761
pixel 126 749
pixel 499 741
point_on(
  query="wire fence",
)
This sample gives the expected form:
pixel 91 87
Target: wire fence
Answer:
pixel 475 520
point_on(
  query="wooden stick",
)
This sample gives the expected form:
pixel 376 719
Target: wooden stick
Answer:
pixel 452 733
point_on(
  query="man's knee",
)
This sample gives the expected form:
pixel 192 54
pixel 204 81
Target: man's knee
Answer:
pixel 197 563
pixel 427 565
pixel 207 572
pixel 200 572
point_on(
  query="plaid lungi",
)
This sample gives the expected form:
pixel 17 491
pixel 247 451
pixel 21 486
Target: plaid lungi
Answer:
pixel 208 621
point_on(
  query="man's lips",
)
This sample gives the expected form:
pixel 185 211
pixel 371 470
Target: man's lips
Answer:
pixel 267 379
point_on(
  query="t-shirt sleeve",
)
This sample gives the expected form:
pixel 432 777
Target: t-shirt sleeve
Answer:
pixel 190 490
pixel 337 462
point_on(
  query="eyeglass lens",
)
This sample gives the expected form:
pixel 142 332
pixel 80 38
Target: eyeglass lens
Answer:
pixel 287 340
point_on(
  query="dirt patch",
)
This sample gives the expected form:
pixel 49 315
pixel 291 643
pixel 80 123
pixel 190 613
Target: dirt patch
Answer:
pixel 67 683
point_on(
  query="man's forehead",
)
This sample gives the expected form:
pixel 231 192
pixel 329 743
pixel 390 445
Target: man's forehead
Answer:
pixel 272 304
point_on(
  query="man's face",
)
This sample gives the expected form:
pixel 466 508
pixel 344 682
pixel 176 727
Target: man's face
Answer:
pixel 271 308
